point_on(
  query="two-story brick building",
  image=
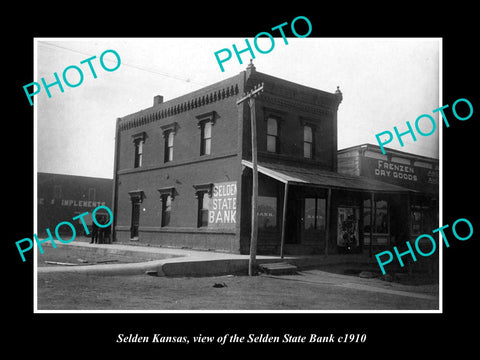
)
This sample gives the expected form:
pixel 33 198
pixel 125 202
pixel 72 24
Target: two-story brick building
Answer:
pixel 183 172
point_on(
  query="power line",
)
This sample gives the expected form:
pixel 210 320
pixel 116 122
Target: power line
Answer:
pixel 127 65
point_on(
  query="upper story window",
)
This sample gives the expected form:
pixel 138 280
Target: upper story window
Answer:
pixel 138 141
pixel 169 136
pixel 205 138
pixel 138 153
pixel 308 144
pixel 169 146
pixel 272 135
pixel 205 124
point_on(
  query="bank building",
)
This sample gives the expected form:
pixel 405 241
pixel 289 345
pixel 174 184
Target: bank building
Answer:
pixel 183 175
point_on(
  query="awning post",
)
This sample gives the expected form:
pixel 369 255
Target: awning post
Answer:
pixel 328 217
pixel 372 214
pixel 284 219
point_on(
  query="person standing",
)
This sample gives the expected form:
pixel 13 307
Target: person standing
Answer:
pixel 94 233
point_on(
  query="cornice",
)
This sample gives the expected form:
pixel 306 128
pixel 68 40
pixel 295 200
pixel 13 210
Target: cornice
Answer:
pixel 193 103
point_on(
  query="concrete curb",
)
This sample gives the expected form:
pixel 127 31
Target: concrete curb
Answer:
pixel 172 262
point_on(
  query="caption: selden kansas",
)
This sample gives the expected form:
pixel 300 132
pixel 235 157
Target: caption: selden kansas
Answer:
pixel 250 338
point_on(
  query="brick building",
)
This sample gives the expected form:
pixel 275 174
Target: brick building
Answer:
pixel 183 172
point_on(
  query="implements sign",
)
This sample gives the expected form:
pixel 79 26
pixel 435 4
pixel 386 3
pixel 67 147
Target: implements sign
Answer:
pixel 412 177
pixel 222 211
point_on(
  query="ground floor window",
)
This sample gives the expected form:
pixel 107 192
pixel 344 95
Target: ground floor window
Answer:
pixel 380 222
pixel 203 206
pixel 267 212
pixel 314 214
pixel 166 209
pixel 421 219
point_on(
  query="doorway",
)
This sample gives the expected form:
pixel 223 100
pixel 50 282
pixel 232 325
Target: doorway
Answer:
pixel 293 219
pixel 135 220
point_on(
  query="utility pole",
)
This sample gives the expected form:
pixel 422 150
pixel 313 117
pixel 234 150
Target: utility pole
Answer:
pixel 250 96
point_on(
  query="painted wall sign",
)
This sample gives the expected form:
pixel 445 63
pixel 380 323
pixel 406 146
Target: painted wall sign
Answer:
pixel 223 205
pixel 70 202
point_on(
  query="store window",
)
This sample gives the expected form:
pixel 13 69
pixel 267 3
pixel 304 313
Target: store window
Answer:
pixel 380 217
pixel 421 220
pixel 267 212
pixel 314 218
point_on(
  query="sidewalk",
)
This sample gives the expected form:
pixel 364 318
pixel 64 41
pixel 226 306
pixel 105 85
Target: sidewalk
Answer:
pixel 164 261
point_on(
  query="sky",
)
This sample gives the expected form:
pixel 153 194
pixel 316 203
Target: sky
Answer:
pixel 385 83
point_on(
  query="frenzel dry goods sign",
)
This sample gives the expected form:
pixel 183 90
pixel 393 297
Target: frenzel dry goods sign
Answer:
pixel 413 177
pixel 222 209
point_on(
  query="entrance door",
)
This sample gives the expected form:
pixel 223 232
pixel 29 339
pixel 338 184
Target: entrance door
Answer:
pixel 292 226
pixel 314 221
pixel 135 219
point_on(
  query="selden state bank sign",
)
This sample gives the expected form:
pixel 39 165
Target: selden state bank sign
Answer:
pixel 412 177
pixel 222 207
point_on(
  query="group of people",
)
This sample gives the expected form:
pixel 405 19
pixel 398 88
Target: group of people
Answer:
pixel 100 235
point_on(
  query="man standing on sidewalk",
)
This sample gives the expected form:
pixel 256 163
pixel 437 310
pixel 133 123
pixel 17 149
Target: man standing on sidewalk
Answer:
pixel 94 233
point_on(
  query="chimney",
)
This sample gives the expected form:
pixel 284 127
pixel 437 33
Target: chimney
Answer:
pixel 250 69
pixel 157 100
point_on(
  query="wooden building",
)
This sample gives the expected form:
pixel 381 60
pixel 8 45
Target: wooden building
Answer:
pixel 419 210
pixel 61 197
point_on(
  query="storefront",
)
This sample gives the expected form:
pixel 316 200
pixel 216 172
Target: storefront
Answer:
pixel 62 197
pixel 397 218
pixel 305 210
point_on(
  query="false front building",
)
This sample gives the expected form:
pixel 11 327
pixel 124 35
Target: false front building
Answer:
pixel 62 197
pixel 183 173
